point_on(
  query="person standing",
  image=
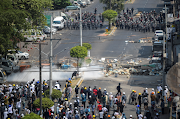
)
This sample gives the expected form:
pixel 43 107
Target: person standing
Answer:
pixel 119 88
pixel 76 90
pixel 83 96
pixel 110 99
pixel 124 99
pixel 99 94
pixel 162 106
pixel 139 99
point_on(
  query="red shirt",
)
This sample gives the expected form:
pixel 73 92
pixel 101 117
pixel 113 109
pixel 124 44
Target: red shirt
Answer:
pixel 99 107
pixel 95 91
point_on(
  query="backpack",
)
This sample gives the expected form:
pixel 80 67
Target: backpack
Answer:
pixel 118 88
pixel 77 116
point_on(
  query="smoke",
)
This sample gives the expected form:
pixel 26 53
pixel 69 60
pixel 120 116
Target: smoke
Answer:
pixel 57 74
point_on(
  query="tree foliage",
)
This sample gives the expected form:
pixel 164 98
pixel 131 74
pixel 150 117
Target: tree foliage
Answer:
pixel 59 4
pixel 32 116
pixel 46 103
pixel 78 52
pixel 109 14
pixel 116 5
pixel 55 94
pixel 35 8
pixel 87 46
pixel 11 21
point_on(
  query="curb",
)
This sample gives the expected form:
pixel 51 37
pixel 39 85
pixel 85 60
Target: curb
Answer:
pixel 78 83
pixel 113 31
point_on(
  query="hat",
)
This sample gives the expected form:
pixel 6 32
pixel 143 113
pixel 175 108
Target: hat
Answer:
pixel 146 88
pixel 2 103
pixel 157 114
pixel 58 104
pixel 75 108
pixel 104 88
pixel 130 116
pixel 99 87
pixel 9 105
pixel 70 103
pixel 135 91
pixel 124 93
pixel 109 116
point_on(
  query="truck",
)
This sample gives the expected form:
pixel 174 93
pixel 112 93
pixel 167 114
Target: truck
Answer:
pixel 157 46
pixel 3 76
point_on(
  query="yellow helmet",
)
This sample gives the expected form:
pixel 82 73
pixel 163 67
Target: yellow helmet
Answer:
pixel 66 99
pixel 158 92
pixel 139 93
pixel 132 90
pixel 45 84
pixel 42 93
pixel 14 85
pixel 85 88
pixel 94 116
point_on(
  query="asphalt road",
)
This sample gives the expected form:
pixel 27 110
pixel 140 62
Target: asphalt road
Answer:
pixel 106 46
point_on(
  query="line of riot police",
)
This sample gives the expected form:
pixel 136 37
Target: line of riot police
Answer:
pixel 89 21
pixel 146 22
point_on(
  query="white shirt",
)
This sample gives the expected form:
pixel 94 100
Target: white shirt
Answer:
pixel 159 88
pixel 58 86
pixel 101 115
pixel 5 114
pixel 10 89
pixel 104 109
pixel 10 110
pixel 140 116
pixel 18 104
pixel 110 97
pixel 52 108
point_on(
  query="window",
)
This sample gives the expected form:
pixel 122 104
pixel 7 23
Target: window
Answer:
pixel 5 64
pixel 56 22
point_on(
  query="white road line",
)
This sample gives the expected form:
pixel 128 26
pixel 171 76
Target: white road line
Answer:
pixel 127 98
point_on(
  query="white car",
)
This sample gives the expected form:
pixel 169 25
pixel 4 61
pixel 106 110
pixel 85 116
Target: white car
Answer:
pixel 34 35
pixel 22 55
pixel 158 33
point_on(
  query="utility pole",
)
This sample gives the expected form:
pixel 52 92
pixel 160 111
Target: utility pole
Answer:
pixel 50 61
pixel 109 4
pixel 40 75
pixel 80 27
pixel 164 56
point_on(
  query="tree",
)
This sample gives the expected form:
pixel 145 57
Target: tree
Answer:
pixel 116 5
pixel 32 116
pixel 55 94
pixel 11 22
pixel 109 14
pixel 35 8
pixel 46 103
pixel 87 46
pixel 78 52
pixel 59 4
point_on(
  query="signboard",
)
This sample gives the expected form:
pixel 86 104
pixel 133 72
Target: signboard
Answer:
pixel 48 19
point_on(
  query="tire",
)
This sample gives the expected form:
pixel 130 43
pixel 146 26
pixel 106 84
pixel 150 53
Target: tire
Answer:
pixel 23 57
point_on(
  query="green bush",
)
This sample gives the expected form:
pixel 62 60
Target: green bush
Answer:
pixel 87 45
pixel 46 103
pixel 32 116
pixel 55 94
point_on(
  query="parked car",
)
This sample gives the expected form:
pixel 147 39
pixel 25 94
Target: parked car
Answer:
pixel 19 54
pixel 34 35
pixel 48 30
pixel 3 76
pixel 6 65
pixel 158 33
pixel 12 58
pixel 22 55
pixel 82 4
pixel 73 7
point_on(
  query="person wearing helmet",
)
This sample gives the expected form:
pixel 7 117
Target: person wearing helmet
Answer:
pixel 99 94
pixel 157 116
pixel 124 99
pixel 131 95
pixel 134 96
pixel 153 91
pixel 140 99
pixel 158 96
pixel 159 88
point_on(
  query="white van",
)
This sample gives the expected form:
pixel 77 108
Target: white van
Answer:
pixel 58 23
pixel 12 58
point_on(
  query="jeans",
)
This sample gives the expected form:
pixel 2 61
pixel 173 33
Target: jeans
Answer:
pixel 110 103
